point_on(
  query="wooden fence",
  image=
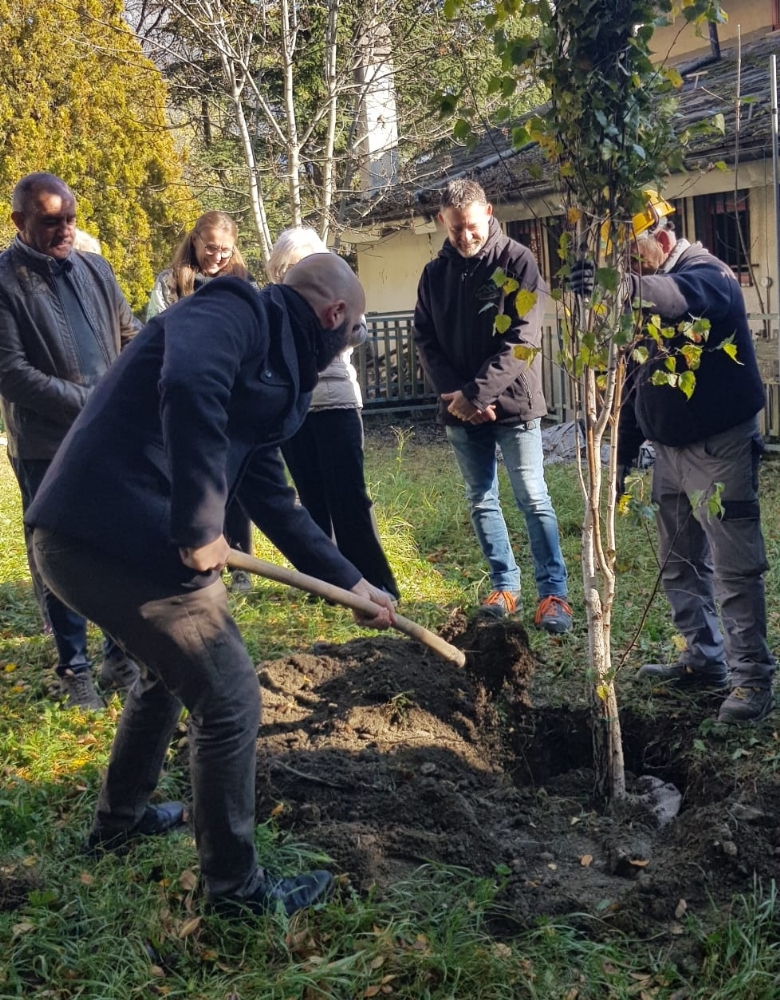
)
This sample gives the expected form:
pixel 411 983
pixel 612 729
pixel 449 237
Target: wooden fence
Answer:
pixel 392 380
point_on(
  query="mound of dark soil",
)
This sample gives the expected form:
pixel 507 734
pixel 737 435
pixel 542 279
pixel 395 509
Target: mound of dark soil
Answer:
pixel 387 757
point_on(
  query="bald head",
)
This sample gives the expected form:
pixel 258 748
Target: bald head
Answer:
pixel 332 289
pixel 324 279
pixel 44 212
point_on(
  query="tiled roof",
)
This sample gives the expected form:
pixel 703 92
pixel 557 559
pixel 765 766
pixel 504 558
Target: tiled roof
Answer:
pixel 509 176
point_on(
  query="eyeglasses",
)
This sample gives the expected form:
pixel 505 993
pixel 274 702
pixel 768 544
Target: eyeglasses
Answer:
pixel 213 250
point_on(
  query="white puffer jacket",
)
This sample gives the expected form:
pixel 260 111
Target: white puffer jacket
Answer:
pixel 337 388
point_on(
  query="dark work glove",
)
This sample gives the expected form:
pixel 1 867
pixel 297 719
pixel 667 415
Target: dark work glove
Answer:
pixel 582 278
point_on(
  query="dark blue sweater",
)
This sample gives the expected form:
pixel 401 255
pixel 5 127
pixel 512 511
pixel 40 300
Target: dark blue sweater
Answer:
pixel 726 393
pixel 189 416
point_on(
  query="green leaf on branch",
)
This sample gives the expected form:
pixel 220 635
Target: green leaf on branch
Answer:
pixel 719 123
pixel 731 349
pixel 661 378
pixel 461 129
pixel 501 323
pixel 687 383
pixel 498 277
pixel 608 278
pixel 520 137
pixel 670 364
pixel 640 355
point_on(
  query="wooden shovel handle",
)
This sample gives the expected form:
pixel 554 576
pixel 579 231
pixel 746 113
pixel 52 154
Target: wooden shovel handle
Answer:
pixel 292 578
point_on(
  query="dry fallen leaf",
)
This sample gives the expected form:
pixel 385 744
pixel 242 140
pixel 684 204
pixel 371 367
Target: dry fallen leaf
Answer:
pixel 188 880
pixel 190 926
pixel 86 879
pixel 371 991
pixel 378 962
pixel 679 913
pixel 278 809
pixel 585 860
pixel 639 862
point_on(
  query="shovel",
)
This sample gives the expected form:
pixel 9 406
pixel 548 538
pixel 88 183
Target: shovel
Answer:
pixel 292 578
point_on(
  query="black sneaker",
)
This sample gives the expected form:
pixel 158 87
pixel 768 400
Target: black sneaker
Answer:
pixel 746 704
pixel 292 894
pixel 81 691
pixel 118 673
pixel 156 820
pixel 686 677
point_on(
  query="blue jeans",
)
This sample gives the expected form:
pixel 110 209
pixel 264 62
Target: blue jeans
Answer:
pixel 521 447
pixel 69 629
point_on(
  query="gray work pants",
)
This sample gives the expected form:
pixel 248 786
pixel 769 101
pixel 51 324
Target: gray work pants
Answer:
pixel 194 656
pixel 722 557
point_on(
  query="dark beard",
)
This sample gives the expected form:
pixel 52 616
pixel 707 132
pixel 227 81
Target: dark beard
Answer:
pixel 330 344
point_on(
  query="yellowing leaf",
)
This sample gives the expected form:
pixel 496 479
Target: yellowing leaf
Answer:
pixel 731 350
pixel 501 323
pixel 573 216
pixel 9 668
pixel 278 809
pixel 525 300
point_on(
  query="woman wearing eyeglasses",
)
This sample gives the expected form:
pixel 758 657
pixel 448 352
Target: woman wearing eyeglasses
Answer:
pixel 208 251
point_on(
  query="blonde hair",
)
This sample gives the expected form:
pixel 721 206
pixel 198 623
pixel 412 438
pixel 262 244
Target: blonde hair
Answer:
pixel 291 246
pixel 184 266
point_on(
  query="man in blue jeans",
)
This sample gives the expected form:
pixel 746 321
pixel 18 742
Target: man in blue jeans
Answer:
pixel 489 396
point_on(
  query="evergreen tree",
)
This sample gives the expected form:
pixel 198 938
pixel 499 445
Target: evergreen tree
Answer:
pixel 79 99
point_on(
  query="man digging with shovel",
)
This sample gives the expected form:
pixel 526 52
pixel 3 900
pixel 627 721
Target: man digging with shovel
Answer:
pixel 189 417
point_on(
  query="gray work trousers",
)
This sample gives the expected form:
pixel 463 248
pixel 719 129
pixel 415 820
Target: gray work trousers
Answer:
pixel 194 656
pixel 709 558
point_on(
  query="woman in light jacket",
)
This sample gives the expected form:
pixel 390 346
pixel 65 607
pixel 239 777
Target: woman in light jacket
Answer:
pixel 325 457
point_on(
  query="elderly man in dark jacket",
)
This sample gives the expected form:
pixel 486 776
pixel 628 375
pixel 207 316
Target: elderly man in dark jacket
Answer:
pixel 63 321
pixel 183 422
pixel 490 397
pixel 710 438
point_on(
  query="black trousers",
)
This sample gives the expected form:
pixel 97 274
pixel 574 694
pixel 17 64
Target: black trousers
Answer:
pixel 238 528
pixel 325 459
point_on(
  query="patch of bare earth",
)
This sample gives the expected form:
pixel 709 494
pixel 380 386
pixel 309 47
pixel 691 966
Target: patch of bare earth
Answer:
pixel 387 757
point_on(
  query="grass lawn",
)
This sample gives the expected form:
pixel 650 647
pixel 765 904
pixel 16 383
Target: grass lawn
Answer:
pixel 134 927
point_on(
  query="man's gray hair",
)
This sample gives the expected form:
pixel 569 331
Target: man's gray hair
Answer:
pixel 461 193
pixel 291 246
pixel 30 185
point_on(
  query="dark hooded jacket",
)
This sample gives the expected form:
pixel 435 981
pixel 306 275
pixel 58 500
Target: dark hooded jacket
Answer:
pixel 457 303
pixel 727 393
pixel 188 417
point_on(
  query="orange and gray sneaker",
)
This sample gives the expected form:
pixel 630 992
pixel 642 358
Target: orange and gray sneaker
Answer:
pixel 553 615
pixel 500 603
